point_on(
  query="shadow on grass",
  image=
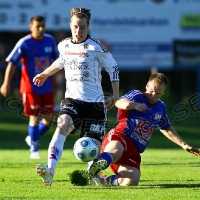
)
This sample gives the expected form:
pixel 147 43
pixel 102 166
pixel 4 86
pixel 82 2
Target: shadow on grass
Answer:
pixel 113 187
pixel 170 185
pixel 195 164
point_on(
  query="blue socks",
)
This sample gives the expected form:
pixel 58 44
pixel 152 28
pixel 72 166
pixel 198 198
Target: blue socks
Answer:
pixel 42 128
pixel 106 156
pixel 34 134
pixel 113 179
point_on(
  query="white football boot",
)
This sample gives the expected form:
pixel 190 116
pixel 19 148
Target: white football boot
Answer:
pixel 45 174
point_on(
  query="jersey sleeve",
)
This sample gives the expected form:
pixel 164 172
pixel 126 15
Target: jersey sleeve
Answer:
pixel 110 65
pixel 59 62
pixel 17 53
pixel 131 95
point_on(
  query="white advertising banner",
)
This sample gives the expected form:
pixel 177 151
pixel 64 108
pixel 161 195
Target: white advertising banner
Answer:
pixel 139 33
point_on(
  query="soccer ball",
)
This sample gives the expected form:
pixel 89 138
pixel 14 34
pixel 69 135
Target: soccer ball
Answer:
pixel 86 149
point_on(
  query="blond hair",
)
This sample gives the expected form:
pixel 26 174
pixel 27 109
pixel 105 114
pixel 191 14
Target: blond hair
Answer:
pixel 81 13
pixel 159 78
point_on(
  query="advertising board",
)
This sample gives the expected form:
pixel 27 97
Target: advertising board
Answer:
pixel 139 33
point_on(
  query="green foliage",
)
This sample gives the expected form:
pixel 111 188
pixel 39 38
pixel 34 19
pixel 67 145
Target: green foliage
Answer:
pixel 79 177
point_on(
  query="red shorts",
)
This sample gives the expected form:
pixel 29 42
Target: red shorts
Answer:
pixel 35 104
pixel 130 156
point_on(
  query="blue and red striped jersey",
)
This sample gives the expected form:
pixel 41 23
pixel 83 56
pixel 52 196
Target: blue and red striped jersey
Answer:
pixel 36 56
pixel 139 126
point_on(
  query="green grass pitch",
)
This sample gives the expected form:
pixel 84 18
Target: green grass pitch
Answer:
pixel 167 172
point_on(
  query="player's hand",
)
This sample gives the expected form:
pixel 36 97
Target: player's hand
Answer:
pixel 192 150
pixel 5 89
pixel 141 107
pixel 39 79
pixel 110 102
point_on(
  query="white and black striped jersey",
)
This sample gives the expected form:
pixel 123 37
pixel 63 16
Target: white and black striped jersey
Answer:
pixel 83 64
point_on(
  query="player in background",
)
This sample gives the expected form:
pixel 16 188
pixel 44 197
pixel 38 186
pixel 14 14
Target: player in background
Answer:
pixel 36 51
pixel 82 58
pixel 139 113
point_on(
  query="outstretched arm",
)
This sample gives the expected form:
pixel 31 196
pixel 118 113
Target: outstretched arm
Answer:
pixel 171 134
pixel 39 79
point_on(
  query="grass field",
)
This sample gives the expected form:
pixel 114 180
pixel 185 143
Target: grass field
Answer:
pixel 167 171
pixel 166 174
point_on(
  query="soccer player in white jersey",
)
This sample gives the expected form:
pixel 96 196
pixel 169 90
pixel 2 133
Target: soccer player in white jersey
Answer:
pixel 82 58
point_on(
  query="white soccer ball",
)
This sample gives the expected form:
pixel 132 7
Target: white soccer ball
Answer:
pixel 86 149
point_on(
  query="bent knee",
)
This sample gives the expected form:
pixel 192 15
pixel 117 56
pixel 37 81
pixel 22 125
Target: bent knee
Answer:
pixel 64 124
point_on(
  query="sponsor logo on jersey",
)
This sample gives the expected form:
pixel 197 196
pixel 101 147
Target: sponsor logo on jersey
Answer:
pixel 71 53
pixel 86 74
pixel 157 116
pixel 143 131
pixel 41 63
pixel 48 49
pixel 75 65
pixel 77 79
pixel 86 46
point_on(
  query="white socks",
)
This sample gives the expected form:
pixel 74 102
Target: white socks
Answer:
pixel 55 150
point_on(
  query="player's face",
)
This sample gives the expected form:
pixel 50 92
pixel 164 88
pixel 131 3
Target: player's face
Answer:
pixel 37 29
pixel 154 91
pixel 79 29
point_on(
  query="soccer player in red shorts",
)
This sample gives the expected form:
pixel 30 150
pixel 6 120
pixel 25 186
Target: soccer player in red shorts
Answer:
pixel 36 51
pixel 138 114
